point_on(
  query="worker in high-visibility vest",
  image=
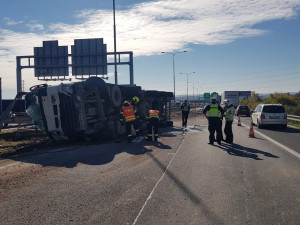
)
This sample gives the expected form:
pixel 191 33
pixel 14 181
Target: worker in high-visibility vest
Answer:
pixel 152 121
pixel 221 120
pixel 127 113
pixel 185 109
pixel 229 115
pixel 213 112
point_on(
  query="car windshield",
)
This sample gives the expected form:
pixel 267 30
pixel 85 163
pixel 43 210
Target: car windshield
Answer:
pixel 33 109
pixel 273 109
pixel 243 107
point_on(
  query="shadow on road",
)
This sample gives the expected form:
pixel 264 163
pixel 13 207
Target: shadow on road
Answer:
pixel 69 157
pixel 242 151
pixel 157 144
pixel 186 191
pixel 70 153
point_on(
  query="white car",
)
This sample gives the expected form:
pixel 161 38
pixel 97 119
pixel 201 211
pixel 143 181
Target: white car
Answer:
pixel 269 114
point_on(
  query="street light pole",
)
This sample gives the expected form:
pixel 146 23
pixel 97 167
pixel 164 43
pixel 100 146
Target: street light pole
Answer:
pixel 193 89
pixel 173 55
pixel 187 84
pixel 115 44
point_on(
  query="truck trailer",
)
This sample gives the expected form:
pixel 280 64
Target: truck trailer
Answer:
pixel 90 109
pixel 235 96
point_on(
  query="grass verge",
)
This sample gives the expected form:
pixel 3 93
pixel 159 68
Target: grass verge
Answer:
pixel 12 142
pixel 294 123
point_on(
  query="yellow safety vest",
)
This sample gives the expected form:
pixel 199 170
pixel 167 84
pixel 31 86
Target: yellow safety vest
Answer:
pixel 213 111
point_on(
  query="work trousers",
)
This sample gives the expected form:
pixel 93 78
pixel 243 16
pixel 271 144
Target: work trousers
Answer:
pixel 185 117
pixel 153 122
pixel 228 132
pixel 221 124
pixel 214 127
pixel 128 129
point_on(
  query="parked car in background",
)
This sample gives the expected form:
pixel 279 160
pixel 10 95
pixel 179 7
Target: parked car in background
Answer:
pixel 269 114
pixel 242 110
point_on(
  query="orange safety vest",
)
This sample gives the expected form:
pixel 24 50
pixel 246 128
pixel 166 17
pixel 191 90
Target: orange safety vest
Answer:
pixel 154 113
pixel 128 113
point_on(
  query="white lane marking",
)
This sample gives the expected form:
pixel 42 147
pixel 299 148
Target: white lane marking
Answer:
pixel 150 195
pixel 291 151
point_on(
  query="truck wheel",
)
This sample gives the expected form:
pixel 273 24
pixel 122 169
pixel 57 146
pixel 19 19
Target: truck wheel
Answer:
pixel 115 96
pixel 96 82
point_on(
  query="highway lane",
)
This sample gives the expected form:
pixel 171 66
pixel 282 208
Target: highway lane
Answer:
pixel 250 182
pixel 289 137
pixel 180 180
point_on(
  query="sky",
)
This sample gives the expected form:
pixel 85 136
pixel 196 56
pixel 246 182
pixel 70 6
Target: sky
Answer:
pixel 244 45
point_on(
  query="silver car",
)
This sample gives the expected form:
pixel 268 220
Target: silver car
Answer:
pixel 269 114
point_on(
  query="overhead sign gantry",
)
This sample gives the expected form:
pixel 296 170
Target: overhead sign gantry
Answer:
pixel 88 58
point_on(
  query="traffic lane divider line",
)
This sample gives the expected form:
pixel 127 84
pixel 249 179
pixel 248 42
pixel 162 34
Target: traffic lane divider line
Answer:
pixel 291 151
pixel 156 185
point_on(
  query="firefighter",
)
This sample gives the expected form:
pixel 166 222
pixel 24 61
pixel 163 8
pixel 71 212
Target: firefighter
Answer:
pixel 213 112
pixel 229 114
pixel 135 101
pixel 152 121
pixel 128 113
pixel 185 108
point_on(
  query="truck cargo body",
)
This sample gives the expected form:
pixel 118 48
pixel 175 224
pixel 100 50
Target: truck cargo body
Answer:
pixel 91 109
pixel 235 96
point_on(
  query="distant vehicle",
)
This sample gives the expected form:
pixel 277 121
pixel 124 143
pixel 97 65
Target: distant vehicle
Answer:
pixel 269 114
pixel 242 110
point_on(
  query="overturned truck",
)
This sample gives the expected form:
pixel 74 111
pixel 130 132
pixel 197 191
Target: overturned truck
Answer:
pixel 91 109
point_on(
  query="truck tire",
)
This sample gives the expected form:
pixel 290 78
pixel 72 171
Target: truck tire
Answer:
pixel 96 82
pixel 143 109
pixel 115 96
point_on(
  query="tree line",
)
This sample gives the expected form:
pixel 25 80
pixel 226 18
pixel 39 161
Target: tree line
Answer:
pixel 290 102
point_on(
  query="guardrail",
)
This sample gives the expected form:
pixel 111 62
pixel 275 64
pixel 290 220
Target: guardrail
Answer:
pixel 293 118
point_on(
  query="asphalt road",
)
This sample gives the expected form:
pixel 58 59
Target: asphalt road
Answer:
pixel 289 137
pixel 179 180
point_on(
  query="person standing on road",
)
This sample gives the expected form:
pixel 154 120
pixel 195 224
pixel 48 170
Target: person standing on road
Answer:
pixel 221 120
pixel 152 121
pixel 185 108
pixel 213 112
pixel 128 113
pixel 229 114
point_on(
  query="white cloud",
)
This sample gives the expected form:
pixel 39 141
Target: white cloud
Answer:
pixel 11 22
pixel 35 26
pixel 150 27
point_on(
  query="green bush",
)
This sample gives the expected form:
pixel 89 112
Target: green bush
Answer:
pixel 290 102
pixel 297 111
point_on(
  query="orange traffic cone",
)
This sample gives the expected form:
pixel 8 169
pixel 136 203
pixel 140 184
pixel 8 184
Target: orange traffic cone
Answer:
pixel 239 122
pixel 251 133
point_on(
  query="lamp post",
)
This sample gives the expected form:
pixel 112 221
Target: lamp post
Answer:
pixel 187 84
pixel 115 43
pixel 173 54
pixel 193 88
